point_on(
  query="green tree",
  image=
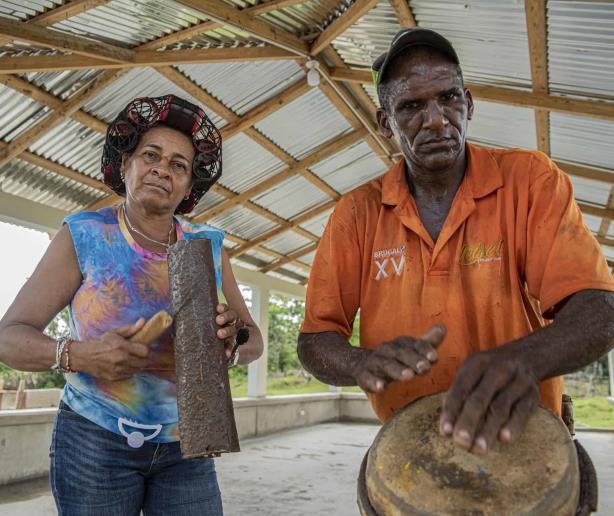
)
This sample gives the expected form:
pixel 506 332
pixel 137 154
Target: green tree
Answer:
pixel 285 317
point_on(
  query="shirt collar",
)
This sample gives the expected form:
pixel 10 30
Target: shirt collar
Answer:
pixel 482 177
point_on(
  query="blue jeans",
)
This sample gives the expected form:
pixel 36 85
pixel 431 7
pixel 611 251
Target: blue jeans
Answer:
pixel 95 473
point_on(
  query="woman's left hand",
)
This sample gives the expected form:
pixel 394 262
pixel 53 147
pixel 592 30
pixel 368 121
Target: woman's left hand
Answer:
pixel 227 321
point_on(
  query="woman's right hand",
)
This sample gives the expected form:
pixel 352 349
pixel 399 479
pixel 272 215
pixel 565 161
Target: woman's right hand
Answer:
pixel 112 356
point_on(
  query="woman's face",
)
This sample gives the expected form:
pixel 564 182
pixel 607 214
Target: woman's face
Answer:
pixel 158 173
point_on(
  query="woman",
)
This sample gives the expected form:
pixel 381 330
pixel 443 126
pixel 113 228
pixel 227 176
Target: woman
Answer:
pixel 110 267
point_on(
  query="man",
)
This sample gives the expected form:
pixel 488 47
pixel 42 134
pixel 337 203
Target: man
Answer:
pixel 484 244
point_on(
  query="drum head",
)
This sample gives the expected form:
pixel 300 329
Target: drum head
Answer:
pixel 412 470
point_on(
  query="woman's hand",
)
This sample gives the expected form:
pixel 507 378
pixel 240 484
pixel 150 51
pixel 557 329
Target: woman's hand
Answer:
pixel 112 356
pixel 229 323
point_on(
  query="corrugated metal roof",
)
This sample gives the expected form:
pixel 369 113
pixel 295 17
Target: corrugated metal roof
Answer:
pixel 138 82
pixel 39 185
pixel 593 223
pixel 292 197
pixel 590 191
pixel 489 36
pixel 350 168
pixel 24 9
pixel 245 163
pixel 362 43
pixel 242 223
pixel 502 125
pixel 209 200
pixel 287 242
pixel 242 86
pixel 582 140
pixel 132 22
pixel 581 47
pixel 308 258
pixel 61 84
pixel 305 123
pixel 17 113
pixel 317 224
pixel 73 145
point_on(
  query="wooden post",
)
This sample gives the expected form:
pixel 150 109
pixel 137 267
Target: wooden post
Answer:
pixel 20 397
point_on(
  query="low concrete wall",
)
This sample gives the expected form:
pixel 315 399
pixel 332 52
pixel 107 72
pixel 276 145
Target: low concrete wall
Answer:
pixel 25 435
pixel 35 398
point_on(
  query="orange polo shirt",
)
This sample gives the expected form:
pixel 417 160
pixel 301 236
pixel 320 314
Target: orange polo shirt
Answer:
pixel 513 246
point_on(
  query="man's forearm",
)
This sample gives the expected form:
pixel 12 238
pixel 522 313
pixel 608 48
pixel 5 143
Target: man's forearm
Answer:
pixel 582 331
pixel 329 357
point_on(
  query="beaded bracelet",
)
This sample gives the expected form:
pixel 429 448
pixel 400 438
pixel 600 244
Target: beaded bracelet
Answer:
pixel 68 346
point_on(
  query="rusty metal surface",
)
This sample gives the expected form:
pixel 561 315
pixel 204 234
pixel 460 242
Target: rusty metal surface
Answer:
pixel 206 419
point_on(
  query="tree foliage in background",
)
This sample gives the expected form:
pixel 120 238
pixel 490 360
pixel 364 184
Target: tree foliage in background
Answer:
pixel 285 317
pixel 57 328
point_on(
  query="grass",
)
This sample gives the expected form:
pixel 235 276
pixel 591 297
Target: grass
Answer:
pixel 594 412
pixel 277 386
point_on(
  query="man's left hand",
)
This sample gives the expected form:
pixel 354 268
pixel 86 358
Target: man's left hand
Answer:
pixel 492 397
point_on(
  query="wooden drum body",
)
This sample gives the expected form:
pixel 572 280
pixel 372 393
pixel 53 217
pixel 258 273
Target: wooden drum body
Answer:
pixel 410 469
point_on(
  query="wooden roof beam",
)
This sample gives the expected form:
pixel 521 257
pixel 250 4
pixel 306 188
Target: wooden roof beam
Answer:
pixel 324 151
pixel 404 13
pixel 290 258
pixel 26 64
pixel 67 109
pixel 590 108
pixel 63 41
pixel 356 11
pixel 225 14
pixel 241 241
pixel 535 11
pixel 296 221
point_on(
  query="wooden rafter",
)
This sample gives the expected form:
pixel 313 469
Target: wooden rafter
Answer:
pixel 241 241
pixel 593 173
pixel 63 41
pixel 404 13
pixel 356 11
pixel 324 151
pixel 596 211
pixel 591 108
pixel 535 11
pixel 208 100
pixel 223 13
pixel 272 5
pixel 10 65
pixel 266 109
pixel 365 105
pixel 296 221
pixel 358 119
pixel 59 14
pixel 68 108
pixel 290 258
pixel 181 35
pixel 605 223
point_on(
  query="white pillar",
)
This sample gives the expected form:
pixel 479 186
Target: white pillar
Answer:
pixel 334 388
pixel 611 364
pixel 257 370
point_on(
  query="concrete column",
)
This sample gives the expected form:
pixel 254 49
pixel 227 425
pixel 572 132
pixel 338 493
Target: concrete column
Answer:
pixel 611 365
pixel 334 388
pixel 257 371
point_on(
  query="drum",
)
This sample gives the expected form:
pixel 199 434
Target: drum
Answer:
pixel 410 469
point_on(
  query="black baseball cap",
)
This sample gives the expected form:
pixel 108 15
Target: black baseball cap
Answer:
pixel 411 37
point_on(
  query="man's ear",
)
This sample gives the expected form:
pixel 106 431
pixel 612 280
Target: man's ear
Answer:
pixel 469 98
pixel 383 123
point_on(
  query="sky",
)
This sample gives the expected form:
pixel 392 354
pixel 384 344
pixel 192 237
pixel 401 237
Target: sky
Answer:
pixel 21 250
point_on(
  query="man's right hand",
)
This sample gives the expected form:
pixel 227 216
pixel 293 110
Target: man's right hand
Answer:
pixel 398 360
pixel 112 356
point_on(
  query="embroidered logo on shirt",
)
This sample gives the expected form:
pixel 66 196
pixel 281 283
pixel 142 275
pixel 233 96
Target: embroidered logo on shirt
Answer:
pixel 389 262
pixel 480 253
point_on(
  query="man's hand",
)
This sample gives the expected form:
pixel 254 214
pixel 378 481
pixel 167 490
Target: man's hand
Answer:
pixel 493 395
pixel 400 359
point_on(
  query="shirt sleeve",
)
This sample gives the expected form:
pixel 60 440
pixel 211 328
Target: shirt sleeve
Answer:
pixel 333 291
pixel 563 257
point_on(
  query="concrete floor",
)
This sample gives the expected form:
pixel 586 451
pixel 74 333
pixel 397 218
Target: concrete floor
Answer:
pixel 310 471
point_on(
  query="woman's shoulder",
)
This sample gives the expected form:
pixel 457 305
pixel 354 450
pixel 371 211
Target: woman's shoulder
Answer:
pixel 102 216
pixel 200 231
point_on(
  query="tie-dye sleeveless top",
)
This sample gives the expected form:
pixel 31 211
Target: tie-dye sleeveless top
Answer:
pixel 121 282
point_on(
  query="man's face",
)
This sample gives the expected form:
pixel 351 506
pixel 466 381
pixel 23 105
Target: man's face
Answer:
pixel 427 109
